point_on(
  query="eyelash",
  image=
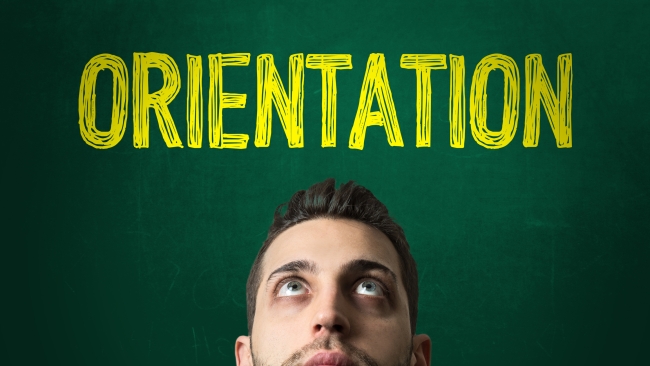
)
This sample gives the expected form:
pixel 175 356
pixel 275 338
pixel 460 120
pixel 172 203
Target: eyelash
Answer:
pixel 286 280
pixel 379 282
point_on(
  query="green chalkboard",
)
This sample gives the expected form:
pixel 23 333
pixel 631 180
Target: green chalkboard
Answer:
pixel 139 256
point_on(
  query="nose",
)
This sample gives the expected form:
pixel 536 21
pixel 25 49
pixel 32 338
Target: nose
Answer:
pixel 331 315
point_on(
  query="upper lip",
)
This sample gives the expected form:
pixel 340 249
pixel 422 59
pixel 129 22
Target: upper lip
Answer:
pixel 330 358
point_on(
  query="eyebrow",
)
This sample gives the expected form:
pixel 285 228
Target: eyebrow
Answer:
pixel 357 265
pixel 363 265
pixel 295 267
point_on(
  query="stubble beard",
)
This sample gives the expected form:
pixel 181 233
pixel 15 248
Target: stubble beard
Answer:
pixel 359 357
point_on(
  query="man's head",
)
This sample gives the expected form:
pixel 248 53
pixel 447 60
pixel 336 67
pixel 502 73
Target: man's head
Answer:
pixel 333 284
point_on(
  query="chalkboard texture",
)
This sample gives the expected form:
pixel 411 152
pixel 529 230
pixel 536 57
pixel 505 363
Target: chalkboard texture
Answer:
pixel 134 255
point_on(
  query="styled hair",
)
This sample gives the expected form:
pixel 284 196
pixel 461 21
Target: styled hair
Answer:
pixel 349 201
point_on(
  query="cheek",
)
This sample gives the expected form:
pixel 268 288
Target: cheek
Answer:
pixel 373 306
pixel 383 340
pixel 383 334
pixel 367 326
pixel 279 332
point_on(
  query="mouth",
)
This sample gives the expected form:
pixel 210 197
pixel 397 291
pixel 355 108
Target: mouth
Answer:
pixel 330 359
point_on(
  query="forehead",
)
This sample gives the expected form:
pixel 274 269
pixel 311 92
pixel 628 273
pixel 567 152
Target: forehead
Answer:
pixel 331 243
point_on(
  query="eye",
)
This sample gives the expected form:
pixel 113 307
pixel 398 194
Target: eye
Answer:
pixel 292 288
pixel 370 288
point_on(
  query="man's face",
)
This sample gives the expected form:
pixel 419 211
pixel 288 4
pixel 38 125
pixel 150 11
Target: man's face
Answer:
pixel 331 293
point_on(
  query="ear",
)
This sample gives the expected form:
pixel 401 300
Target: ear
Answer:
pixel 243 352
pixel 421 350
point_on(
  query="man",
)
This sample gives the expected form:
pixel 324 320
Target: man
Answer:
pixel 333 284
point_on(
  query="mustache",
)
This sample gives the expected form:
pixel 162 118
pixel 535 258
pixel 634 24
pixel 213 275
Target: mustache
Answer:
pixel 330 343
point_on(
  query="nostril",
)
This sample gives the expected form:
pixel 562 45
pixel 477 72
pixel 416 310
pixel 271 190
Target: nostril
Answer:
pixel 336 328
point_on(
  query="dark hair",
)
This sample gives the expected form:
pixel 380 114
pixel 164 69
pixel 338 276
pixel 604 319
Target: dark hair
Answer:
pixel 350 201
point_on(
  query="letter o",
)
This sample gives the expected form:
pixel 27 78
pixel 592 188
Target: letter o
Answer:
pixel 89 132
pixel 478 101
